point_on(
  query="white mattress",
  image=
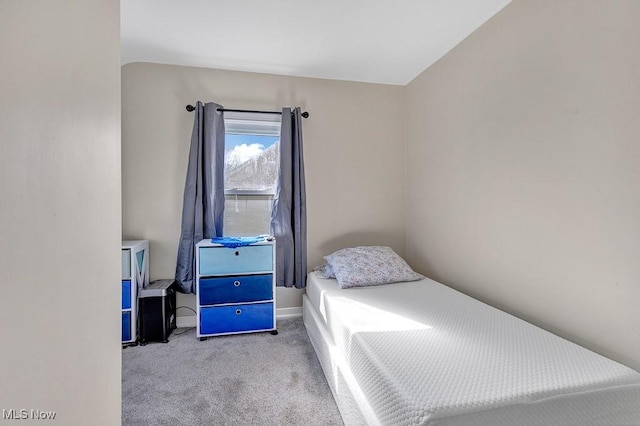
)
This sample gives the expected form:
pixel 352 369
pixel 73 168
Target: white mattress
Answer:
pixel 423 353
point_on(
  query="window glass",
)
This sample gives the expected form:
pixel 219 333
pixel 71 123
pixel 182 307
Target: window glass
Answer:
pixel 252 153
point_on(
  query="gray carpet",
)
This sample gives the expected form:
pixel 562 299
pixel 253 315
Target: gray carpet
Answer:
pixel 245 379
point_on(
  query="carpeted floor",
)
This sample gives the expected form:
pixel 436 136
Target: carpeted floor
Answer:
pixel 247 379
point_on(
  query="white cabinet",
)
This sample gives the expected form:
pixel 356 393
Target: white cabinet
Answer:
pixel 135 276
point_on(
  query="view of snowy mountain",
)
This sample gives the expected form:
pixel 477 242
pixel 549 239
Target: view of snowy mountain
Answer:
pixel 252 167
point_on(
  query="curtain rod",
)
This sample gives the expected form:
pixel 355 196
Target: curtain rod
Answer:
pixel 191 108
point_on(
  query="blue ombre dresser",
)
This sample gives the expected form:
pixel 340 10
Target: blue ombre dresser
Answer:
pixel 235 288
pixel 135 276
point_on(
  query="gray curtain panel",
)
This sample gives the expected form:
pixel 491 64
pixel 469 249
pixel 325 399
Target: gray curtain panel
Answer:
pixel 289 213
pixel 203 203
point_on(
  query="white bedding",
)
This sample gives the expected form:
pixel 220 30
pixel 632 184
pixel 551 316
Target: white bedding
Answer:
pixel 423 353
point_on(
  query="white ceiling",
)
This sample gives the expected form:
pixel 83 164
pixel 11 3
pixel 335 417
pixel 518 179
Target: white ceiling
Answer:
pixel 377 41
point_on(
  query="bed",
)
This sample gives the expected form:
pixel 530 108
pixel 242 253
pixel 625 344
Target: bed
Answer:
pixel 421 353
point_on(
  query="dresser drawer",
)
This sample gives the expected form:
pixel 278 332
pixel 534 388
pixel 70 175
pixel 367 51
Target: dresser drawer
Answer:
pixel 126 326
pixel 236 318
pixel 126 263
pixel 235 289
pixel 126 294
pixel 226 261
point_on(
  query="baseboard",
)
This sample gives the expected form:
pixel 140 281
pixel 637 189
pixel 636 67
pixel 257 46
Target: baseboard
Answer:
pixel 281 313
pixel 186 321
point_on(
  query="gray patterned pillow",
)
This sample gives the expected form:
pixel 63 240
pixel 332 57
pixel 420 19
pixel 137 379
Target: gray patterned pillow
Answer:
pixel 369 265
pixel 325 271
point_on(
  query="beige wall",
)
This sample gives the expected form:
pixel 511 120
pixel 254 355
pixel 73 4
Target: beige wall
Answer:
pixel 353 147
pixel 60 211
pixel 523 169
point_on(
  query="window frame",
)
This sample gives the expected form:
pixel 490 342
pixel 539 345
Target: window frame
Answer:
pixel 240 123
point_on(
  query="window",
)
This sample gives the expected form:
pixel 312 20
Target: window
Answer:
pixel 251 168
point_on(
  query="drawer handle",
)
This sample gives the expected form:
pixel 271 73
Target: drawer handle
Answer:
pixel 238 311
pixel 236 283
pixel 237 253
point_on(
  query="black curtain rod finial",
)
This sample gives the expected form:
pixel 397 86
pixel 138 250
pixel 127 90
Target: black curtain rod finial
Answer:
pixel 305 114
pixel 191 108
